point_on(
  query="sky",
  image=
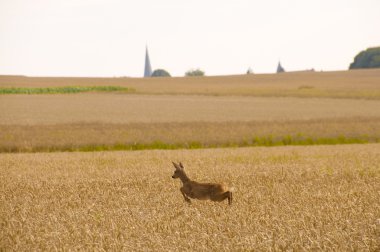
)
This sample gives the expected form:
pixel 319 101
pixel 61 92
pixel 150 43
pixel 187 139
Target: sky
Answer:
pixel 107 38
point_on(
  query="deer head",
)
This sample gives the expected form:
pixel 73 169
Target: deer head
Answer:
pixel 178 170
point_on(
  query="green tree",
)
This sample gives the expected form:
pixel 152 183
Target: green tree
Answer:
pixel 195 72
pixel 369 58
pixel 160 73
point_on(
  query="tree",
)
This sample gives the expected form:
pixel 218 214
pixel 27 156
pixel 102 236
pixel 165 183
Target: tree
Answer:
pixel 195 72
pixel 160 73
pixel 369 58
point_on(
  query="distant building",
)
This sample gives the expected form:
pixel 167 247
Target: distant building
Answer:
pixel 280 69
pixel 148 67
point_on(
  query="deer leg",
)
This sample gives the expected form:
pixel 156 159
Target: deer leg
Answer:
pixel 229 198
pixel 184 195
pixel 228 195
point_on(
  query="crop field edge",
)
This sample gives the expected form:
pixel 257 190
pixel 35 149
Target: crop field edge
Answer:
pixel 266 141
pixel 353 84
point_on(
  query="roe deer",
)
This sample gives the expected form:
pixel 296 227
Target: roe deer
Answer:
pixel 202 191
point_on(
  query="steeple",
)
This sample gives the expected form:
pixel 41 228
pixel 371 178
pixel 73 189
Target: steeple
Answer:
pixel 280 69
pixel 148 68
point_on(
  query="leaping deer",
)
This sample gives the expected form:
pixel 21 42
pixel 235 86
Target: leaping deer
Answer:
pixel 201 191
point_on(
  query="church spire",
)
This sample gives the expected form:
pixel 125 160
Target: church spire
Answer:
pixel 148 68
pixel 280 69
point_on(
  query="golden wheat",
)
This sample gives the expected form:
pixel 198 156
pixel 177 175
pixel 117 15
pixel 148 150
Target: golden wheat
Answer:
pixel 115 108
pixel 286 198
pixel 93 136
pixel 69 122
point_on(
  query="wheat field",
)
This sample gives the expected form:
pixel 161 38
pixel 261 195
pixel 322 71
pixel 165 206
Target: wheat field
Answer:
pixel 115 108
pixel 322 197
pixel 51 122
pixel 177 135
pixel 220 111
pixel 285 198
pixel 354 84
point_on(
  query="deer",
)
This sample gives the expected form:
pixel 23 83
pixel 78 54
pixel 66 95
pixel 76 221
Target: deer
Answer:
pixel 201 191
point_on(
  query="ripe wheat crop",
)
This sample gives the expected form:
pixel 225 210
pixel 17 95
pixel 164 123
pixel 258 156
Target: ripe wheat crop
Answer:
pixel 357 84
pixel 300 198
pixel 131 108
pixel 123 121
pixel 170 135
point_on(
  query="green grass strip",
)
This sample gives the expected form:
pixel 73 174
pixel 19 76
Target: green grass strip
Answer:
pixel 256 142
pixel 63 90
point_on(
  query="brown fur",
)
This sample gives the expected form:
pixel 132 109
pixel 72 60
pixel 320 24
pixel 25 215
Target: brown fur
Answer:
pixel 201 191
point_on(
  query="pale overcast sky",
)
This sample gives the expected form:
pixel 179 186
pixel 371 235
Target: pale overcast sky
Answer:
pixel 108 37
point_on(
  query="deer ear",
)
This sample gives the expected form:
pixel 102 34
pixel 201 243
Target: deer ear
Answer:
pixel 181 165
pixel 176 166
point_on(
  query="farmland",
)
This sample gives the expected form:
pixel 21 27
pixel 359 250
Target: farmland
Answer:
pixel 357 84
pixel 51 122
pixel 135 136
pixel 114 108
pixel 318 197
pixel 70 180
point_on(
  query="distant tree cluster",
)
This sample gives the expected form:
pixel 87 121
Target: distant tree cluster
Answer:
pixel 369 58
pixel 160 73
pixel 195 72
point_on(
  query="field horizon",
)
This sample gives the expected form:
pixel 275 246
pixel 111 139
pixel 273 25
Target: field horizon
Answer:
pixel 352 84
